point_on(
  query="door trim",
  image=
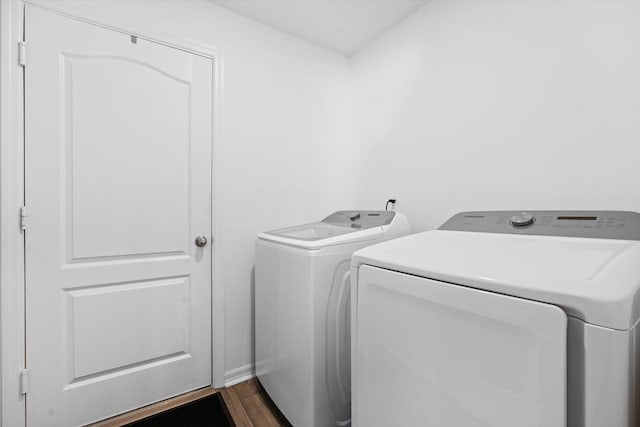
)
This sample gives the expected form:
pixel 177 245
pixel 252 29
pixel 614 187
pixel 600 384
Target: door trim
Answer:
pixel 12 328
pixel 12 263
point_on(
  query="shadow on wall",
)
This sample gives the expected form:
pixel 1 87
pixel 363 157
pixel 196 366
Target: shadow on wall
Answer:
pixel 253 315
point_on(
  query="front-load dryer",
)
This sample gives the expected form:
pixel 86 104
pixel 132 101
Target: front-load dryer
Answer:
pixel 500 319
pixel 302 283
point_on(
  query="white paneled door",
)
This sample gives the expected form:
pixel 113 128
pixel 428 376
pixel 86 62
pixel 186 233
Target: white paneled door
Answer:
pixel 118 188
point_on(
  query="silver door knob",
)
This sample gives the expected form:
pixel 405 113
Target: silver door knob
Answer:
pixel 201 241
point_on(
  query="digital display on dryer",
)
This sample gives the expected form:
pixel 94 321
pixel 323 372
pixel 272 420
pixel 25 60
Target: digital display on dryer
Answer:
pixel 578 218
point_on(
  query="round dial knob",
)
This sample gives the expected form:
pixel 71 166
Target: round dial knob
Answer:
pixel 522 219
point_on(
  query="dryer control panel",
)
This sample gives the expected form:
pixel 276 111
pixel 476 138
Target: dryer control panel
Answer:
pixel 594 224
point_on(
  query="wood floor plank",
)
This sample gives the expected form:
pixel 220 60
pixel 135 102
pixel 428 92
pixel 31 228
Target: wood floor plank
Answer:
pixel 259 412
pixel 272 406
pixel 247 404
pixel 246 389
pixel 235 407
pixel 155 408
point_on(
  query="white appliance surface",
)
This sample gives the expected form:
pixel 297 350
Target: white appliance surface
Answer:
pixel 302 312
pixel 340 228
pixel 462 358
pixel 500 319
pixel 589 278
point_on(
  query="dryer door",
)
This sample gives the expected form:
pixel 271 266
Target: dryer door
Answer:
pixel 430 353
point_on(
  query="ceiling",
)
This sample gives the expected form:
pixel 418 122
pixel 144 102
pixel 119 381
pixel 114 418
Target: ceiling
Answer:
pixel 343 26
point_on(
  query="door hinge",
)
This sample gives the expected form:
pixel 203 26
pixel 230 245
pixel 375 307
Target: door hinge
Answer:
pixel 23 218
pixel 24 381
pixel 22 53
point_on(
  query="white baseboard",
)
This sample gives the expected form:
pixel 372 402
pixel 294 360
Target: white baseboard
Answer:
pixel 238 375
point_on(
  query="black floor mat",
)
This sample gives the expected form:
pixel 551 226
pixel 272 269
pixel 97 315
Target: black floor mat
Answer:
pixel 207 411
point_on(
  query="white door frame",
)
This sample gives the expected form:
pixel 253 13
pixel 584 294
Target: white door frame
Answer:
pixel 12 338
pixel 12 263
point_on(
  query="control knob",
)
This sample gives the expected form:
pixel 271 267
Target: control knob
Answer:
pixel 522 219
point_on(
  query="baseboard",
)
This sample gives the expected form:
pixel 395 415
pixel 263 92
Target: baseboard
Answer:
pixel 238 375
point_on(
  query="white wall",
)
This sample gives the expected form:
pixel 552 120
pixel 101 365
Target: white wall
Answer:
pixel 471 105
pixel 285 111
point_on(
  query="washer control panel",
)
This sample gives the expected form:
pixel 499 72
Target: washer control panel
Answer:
pixel 360 219
pixel 594 224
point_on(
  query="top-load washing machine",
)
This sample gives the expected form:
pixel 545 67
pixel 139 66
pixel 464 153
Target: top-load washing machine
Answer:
pixel 302 312
pixel 500 319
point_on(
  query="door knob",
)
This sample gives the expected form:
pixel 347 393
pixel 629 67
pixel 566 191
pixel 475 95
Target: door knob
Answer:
pixel 201 241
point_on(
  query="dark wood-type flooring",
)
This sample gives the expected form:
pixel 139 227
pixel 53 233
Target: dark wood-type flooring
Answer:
pixel 247 404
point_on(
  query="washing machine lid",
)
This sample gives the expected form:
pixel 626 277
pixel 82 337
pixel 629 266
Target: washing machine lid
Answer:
pixel 339 228
pixel 596 279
